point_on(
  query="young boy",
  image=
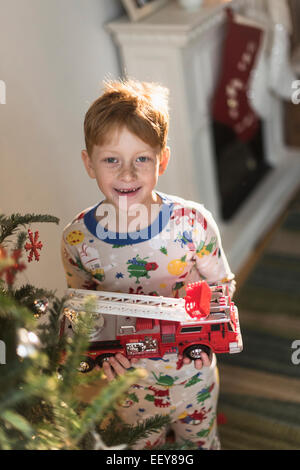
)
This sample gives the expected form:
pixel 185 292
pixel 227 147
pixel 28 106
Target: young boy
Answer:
pixel 141 241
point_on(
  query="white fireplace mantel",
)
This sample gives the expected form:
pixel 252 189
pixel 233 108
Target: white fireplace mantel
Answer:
pixel 182 51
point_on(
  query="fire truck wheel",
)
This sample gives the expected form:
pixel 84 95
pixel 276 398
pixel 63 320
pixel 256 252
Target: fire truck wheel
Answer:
pixel 103 357
pixel 194 352
pixel 86 365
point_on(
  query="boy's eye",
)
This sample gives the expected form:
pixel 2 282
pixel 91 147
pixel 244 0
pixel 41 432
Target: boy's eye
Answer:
pixel 111 160
pixel 143 159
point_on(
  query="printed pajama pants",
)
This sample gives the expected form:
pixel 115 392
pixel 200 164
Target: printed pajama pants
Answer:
pixel 189 396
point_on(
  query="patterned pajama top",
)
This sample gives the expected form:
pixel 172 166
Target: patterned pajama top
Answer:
pixel 182 245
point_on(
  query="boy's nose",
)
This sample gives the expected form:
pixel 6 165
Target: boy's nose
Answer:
pixel 128 173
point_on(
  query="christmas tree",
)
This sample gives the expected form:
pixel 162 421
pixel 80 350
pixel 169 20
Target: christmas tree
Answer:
pixel 41 404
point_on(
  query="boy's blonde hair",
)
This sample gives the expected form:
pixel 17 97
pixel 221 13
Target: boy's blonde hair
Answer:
pixel 140 106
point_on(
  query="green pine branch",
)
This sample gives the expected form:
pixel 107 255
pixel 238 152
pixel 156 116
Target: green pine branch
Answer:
pixel 11 309
pixel 9 225
pixel 115 431
pixel 27 294
pixel 40 404
pixel 41 409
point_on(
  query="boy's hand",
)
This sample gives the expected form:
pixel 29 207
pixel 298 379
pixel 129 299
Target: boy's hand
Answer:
pixel 117 365
pixel 205 360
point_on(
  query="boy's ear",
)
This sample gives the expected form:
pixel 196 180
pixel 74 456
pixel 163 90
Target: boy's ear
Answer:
pixel 88 163
pixel 164 160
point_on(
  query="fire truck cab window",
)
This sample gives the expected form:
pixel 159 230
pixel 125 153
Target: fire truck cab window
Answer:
pixel 215 327
pixel 191 329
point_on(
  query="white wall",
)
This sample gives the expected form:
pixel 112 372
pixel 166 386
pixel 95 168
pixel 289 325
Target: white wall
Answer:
pixel 54 55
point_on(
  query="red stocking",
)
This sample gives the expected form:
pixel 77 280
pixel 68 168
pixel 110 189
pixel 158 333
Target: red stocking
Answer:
pixel 231 103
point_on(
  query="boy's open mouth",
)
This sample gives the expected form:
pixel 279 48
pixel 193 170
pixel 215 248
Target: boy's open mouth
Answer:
pixel 128 191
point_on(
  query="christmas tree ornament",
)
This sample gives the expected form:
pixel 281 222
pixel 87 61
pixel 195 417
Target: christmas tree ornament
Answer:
pixel 231 103
pixel 73 317
pixel 33 246
pixel 70 314
pixel 40 307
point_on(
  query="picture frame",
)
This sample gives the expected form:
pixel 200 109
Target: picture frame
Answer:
pixel 138 9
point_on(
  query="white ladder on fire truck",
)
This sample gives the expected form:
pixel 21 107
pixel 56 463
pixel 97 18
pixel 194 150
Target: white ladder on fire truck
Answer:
pixel 138 305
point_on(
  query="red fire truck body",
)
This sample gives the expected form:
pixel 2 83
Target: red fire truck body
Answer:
pixel 211 326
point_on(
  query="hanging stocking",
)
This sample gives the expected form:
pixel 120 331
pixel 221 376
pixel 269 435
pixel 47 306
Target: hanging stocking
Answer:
pixel 231 104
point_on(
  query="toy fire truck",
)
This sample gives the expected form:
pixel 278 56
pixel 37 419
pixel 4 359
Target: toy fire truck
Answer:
pixel 143 326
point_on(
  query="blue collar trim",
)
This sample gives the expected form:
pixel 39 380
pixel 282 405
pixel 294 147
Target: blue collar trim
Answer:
pixel 129 238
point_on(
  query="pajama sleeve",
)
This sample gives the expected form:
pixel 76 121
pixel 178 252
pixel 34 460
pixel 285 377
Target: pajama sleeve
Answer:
pixel 211 261
pixel 76 275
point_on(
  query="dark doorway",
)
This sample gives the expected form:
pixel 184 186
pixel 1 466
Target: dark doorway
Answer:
pixel 240 166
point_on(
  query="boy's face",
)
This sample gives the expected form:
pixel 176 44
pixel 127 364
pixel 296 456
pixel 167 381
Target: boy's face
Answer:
pixel 126 169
